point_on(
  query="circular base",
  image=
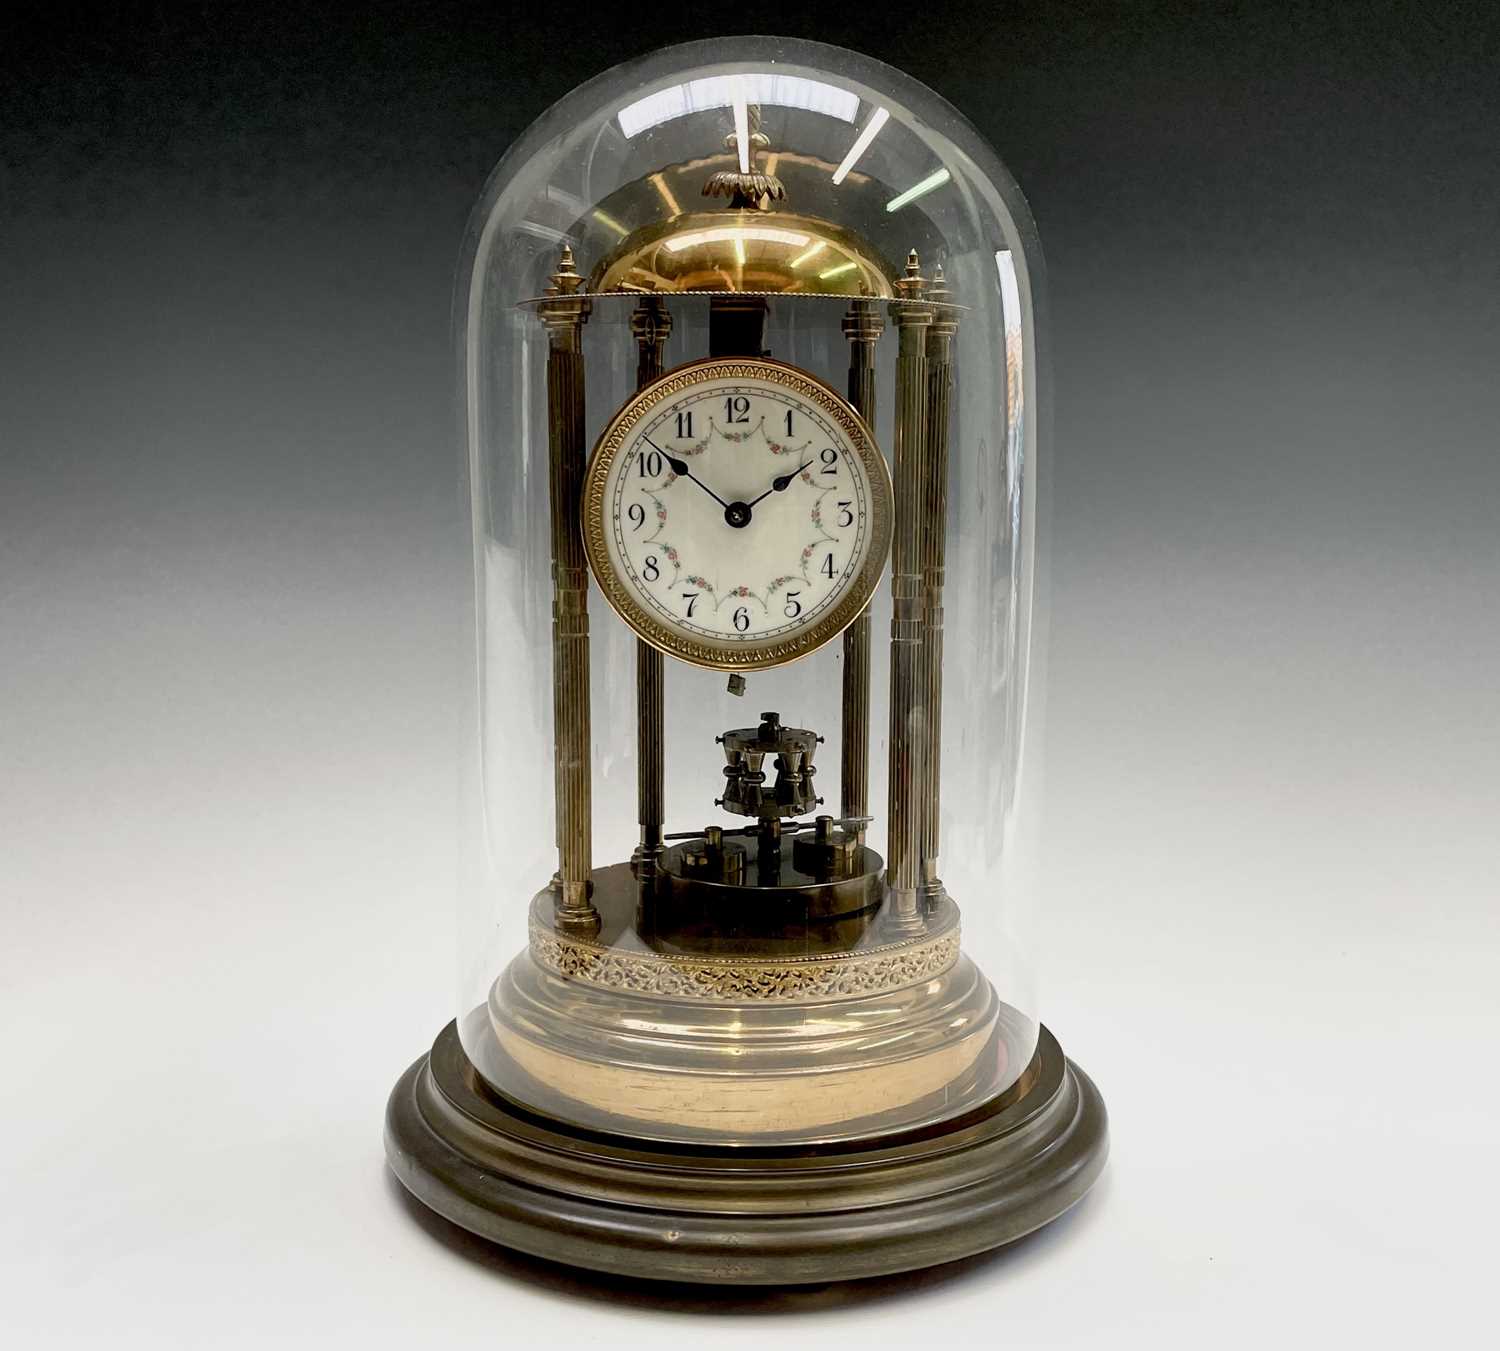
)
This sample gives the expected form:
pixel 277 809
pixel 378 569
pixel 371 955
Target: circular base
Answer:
pixel 747 1215
pixel 640 1067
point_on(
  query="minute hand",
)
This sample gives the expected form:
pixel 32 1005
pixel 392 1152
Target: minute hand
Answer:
pixel 781 483
pixel 680 468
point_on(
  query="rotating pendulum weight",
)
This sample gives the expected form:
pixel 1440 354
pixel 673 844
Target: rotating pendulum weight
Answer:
pixel 780 885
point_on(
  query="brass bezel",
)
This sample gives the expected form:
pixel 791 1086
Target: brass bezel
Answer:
pixel 738 656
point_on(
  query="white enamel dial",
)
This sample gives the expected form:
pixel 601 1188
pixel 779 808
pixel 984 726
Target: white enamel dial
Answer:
pixel 737 513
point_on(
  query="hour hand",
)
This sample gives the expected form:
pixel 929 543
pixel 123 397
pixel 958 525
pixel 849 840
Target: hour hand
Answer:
pixel 781 482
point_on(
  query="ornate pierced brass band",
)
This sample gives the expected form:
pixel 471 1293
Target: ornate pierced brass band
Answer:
pixel 891 966
pixel 728 656
pixel 618 960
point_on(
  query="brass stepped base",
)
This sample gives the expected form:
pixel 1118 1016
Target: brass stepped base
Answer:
pixel 838 1042
pixel 747 1215
pixel 696 1072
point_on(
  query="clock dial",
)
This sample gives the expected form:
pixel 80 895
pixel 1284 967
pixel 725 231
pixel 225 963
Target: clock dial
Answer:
pixel 737 513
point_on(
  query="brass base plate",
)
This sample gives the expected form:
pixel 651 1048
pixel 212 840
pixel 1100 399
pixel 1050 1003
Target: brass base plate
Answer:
pixel 798 969
pixel 757 1072
pixel 746 1215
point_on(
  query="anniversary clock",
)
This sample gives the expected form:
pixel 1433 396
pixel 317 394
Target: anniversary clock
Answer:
pixel 752 384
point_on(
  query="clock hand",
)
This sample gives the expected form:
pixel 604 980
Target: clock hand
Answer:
pixel 779 484
pixel 680 468
pixel 736 514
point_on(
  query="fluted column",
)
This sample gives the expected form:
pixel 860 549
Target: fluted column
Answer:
pixel 564 317
pixel 934 558
pixel 651 324
pixel 862 326
pixel 908 712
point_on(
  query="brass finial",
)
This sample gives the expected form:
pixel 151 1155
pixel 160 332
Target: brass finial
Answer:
pixel 566 279
pixel 940 293
pixel 912 284
pixel 945 313
pixel 560 310
pixel 746 191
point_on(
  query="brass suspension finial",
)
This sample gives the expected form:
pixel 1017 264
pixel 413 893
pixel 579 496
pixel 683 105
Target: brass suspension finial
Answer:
pixel 563 309
pixel 945 312
pixel 752 190
pixel 566 279
pixel 940 293
pixel 912 284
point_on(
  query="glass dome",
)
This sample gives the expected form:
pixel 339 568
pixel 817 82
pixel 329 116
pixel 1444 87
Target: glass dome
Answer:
pixel 718 891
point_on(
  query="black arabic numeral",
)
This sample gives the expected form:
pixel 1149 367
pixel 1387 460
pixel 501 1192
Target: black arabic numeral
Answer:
pixel 692 599
pixel 737 408
pixel 788 421
pixel 685 424
pixel 651 571
pixel 650 464
pixel 846 516
pixel 827 568
pixel 830 458
pixel 742 619
pixel 637 514
pixel 793 605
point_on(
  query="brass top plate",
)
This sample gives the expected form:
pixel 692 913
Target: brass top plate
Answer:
pixel 776 252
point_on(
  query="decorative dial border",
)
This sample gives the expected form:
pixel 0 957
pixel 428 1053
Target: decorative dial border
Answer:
pixel 730 656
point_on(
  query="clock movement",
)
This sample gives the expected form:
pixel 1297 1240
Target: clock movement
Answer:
pixel 753 394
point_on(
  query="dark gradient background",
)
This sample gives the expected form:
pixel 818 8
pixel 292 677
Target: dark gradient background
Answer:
pixel 232 571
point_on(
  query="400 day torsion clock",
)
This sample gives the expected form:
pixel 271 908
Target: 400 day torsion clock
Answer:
pixel 753 378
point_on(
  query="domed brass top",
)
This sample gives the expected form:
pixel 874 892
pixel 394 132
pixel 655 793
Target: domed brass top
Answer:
pixel 771 252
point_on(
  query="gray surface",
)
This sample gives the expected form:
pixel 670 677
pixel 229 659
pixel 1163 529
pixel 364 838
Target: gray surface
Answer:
pixel 228 552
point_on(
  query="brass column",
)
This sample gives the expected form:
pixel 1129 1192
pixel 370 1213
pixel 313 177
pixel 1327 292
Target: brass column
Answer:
pixel 862 326
pixel 934 556
pixel 908 671
pixel 651 325
pixel 564 317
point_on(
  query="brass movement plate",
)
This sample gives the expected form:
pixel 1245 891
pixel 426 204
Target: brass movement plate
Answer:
pixel 616 958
